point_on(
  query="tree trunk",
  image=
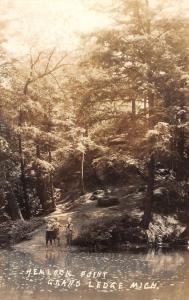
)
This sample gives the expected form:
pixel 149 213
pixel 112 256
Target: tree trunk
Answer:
pixel 13 209
pixel 149 197
pixel 133 109
pixel 23 176
pixel 49 129
pixel 133 102
pixel 181 142
pixel 151 111
pixel 51 181
pixel 145 112
pixel 137 15
pixel 181 131
pixel 148 21
pixel 82 173
pixel 40 186
pixel 145 107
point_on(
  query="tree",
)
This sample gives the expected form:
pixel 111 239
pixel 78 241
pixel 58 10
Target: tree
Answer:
pixel 41 66
pixel 137 78
pixel 158 148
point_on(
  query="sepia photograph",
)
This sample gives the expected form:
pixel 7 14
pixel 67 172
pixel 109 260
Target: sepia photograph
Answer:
pixel 94 149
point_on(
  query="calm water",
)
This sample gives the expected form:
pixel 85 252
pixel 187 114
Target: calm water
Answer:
pixel 57 274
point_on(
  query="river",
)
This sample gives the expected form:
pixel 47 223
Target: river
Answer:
pixel 69 274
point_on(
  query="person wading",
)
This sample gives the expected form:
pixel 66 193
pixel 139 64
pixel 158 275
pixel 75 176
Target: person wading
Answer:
pixel 49 233
pixel 56 231
pixel 69 232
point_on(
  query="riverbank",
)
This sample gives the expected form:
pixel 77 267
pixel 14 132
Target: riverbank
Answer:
pixel 103 220
pixel 111 219
pixel 12 232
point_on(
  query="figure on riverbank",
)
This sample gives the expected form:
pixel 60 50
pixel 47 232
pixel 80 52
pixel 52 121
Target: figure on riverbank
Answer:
pixel 56 231
pixel 69 232
pixel 49 233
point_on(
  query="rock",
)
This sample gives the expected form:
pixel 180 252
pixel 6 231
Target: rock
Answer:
pixel 98 194
pixel 160 194
pixel 28 236
pixel 142 188
pixel 50 210
pixel 121 139
pixel 107 201
pixel 131 189
pixel 115 168
pixel 4 239
pixel 135 235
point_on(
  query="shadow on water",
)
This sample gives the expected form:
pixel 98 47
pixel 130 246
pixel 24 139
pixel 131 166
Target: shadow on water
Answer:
pixel 52 274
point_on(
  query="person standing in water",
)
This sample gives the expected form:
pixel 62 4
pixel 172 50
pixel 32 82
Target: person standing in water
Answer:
pixel 69 232
pixel 56 232
pixel 49 232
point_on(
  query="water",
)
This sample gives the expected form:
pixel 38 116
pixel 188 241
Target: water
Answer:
pixel 63 274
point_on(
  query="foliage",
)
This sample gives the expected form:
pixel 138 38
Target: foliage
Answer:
pixel 164 229
pixel 116 110
pixel 115 166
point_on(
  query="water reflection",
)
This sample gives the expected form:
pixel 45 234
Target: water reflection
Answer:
pixel 42 275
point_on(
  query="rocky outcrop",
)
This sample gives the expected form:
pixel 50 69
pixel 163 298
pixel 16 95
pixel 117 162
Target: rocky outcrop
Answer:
pixel 107 201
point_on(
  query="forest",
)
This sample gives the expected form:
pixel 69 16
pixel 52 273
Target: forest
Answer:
pixel 106 124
